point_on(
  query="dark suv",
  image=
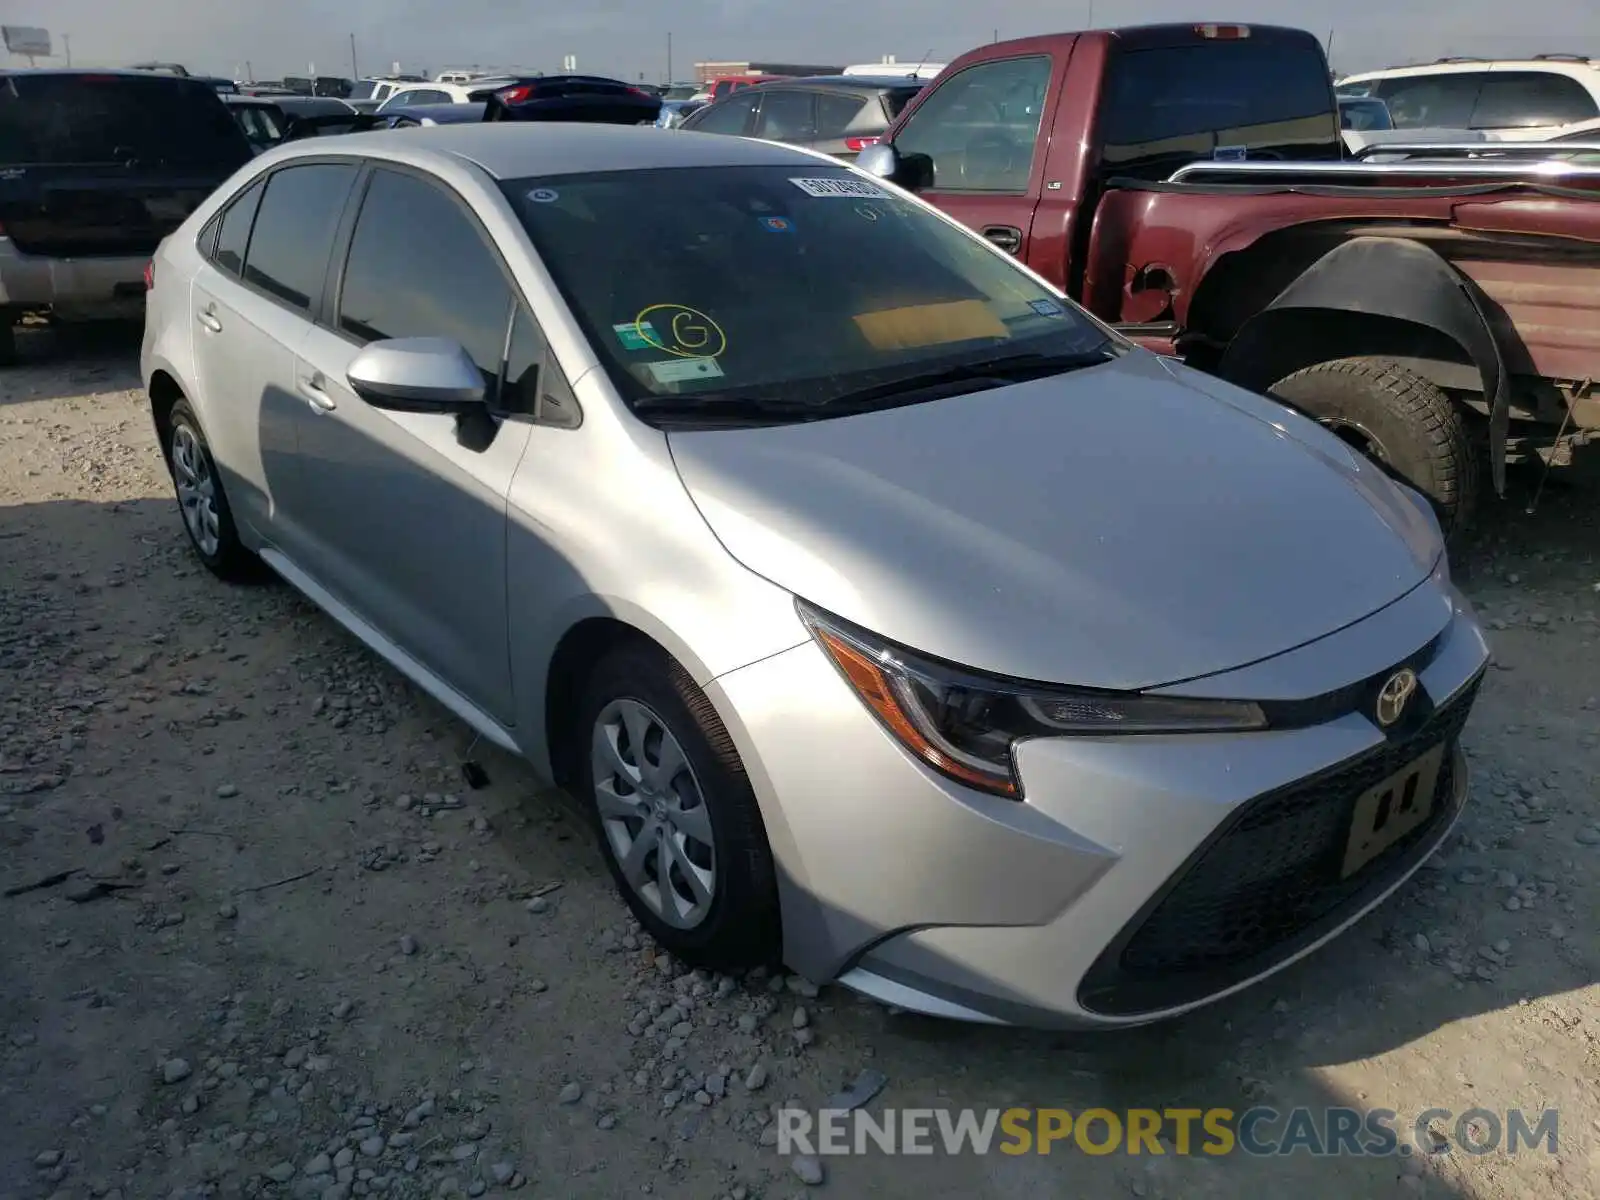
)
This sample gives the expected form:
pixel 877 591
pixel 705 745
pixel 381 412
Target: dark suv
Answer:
pixel 837 114
pixel 96 167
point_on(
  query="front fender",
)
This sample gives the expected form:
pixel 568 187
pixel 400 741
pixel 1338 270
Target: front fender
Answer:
pixel 1392 278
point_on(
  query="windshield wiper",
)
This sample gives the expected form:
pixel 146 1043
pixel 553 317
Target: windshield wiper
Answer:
pixel 1010 368
pixel 736 407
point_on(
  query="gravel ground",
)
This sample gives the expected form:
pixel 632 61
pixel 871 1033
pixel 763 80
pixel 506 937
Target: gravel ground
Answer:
pixel 296 956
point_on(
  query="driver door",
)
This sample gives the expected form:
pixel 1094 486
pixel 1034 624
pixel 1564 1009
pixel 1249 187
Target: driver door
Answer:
pixel 982 131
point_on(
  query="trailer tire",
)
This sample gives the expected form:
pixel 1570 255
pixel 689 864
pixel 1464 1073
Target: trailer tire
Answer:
pixel 1399 419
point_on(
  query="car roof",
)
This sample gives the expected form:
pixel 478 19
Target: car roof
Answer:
pixel 866 83
pixel 517 149
pixel 1584 70
pixel 99 72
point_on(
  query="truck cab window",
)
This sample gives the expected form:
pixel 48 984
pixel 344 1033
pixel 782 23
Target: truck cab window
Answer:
pixel 981 128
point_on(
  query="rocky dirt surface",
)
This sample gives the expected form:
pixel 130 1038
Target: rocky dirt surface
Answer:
pixel 279 948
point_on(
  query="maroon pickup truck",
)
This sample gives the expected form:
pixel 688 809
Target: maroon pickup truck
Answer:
pixel 1188 184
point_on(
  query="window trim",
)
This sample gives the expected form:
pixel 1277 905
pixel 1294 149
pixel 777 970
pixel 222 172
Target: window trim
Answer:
pixel 264 178
pixel 339 263
pixel 1047 105
pixel 214 226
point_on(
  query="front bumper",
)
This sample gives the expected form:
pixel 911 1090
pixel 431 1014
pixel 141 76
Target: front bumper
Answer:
pixel 1108 896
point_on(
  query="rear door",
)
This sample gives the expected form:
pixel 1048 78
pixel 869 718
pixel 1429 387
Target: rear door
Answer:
pixel 101 166
pixel 979 133
pixel 253 304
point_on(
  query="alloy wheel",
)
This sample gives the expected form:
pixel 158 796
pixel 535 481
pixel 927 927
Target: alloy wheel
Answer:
pixel 653 813
pixel 196 481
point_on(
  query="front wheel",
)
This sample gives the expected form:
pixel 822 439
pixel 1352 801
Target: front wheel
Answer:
pixel 678 823
pixel 1400 420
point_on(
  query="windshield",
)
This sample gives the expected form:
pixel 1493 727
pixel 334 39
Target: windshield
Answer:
pixel 680 91
pixel 60 119
pixel 799 284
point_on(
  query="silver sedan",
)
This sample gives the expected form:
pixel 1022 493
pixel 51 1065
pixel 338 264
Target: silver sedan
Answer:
pixel 894 618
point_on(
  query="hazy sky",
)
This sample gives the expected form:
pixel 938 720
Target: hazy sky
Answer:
pixel 629 37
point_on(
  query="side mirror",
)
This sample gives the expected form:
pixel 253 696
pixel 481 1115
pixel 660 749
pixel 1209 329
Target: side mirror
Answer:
pixel 880 159
pixel 914 172
pixel 420 375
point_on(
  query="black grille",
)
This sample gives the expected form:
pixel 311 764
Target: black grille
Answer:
pixel 1268 882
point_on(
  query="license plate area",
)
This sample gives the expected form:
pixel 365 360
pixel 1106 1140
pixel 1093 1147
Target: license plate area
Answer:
pixel 1391 809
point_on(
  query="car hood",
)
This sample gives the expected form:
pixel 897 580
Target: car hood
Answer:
pixel 1121 526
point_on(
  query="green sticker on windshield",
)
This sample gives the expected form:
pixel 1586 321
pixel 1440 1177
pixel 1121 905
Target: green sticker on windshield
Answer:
pixel 636 335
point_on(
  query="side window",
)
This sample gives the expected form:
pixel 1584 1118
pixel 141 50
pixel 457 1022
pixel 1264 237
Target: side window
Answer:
pixel 725 116
pixel 233 235
pixel 981 127
pixel 534 384
pixel 835 112
pixel 1523 99
pixel 293 234
pixel 787 115
pixel 1431 101
pixel 419 267
pixel 428 96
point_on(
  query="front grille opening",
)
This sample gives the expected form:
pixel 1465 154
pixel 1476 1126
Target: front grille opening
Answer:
pixel 1269 883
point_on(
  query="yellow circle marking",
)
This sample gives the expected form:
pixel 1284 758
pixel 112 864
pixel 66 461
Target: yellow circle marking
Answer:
pixel 694 334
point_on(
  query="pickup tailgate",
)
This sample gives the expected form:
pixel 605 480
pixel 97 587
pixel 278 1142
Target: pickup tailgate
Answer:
pixel 96 211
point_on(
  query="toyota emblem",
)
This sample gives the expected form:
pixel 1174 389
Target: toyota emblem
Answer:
pixel 1395 694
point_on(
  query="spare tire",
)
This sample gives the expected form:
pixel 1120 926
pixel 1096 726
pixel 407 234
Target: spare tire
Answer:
pixel 1400 420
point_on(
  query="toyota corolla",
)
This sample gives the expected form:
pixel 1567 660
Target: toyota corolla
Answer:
pixel 892 617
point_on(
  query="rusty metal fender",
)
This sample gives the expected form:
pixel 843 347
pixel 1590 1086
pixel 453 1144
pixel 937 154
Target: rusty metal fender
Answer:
pixel 1403 280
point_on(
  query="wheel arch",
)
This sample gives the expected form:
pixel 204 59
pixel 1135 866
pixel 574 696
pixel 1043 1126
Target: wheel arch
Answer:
pixel 164 392
pixel 1380 296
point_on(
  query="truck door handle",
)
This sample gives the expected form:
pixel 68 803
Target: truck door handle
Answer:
pixel 311 388
pixel 208 318
pixel 1007 237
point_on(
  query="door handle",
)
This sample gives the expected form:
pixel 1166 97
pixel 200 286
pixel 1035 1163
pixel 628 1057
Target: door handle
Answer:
pixel 1007 237
pixel 311 388
pixel 208 318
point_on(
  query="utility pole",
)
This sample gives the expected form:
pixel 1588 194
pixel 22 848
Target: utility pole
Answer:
pixel 355 73
pixel 66 45
pixel 1091 14
pixel 668 79
pixel 249 71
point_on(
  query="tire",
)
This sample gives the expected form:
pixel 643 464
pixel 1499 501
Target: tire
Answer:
pixel 202 502
pixel 1398 418
pixel 637 687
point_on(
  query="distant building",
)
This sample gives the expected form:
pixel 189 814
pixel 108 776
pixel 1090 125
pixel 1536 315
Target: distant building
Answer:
pixel 706 71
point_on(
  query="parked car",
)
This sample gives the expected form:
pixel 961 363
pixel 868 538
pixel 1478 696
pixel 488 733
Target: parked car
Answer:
pixel 839 115
pixel 316 116
pixel 261 118
pixel 591 98
pixel 1364 114
pixel 429 93
pixel 432 114
pixel 333 86
pixel 300 85
pixel 96 167
pixel 1515 100
pixel 1204 205
pixel 674 112
pixel 220 84
pixel 161 68
pixel 893 616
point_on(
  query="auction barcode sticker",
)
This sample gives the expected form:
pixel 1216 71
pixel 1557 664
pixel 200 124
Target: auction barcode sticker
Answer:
pixel 852 189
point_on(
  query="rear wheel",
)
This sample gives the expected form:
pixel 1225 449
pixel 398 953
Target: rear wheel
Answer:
pixel 202 502
pixel 1402 421
pixel 678 823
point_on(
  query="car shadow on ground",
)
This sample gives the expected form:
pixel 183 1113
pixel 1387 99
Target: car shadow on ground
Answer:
pixel 60 361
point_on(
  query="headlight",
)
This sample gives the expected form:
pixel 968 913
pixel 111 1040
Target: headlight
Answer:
pixel 964 725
